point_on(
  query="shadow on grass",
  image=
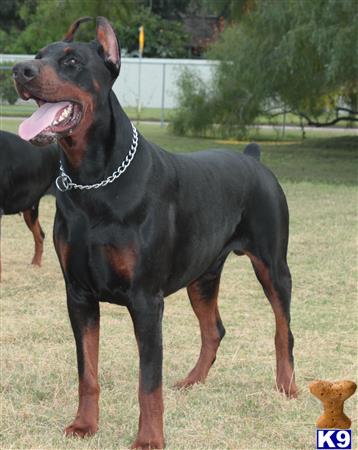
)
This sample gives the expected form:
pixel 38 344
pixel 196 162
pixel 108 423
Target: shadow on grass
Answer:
pixel 329 160
pixel 316 160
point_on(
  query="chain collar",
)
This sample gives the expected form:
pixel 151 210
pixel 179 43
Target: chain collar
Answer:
pixel 64 182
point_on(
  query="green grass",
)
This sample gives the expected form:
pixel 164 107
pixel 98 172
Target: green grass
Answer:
pixel 21 110
pixel 155 114
pixel 237 408
pixel 25 109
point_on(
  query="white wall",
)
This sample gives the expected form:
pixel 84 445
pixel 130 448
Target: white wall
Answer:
pixel 158 79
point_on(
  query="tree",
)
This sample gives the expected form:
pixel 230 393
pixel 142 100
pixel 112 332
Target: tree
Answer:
pixel 231 10
pixel 167 8
pixel 10 18
pixel 163 38
pixel 47 21
pixel 7 88
pixel 298 57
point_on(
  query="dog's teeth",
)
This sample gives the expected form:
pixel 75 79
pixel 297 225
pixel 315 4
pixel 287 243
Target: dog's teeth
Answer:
pixel 65 113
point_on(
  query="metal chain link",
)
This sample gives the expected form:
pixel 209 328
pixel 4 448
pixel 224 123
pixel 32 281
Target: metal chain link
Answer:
pixel 64 182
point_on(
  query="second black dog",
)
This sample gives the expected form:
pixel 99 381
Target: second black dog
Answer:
pixel 26 173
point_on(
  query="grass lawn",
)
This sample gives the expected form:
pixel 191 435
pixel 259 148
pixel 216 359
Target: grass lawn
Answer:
pixel 237 408
pixel 25 109
pixel 155 114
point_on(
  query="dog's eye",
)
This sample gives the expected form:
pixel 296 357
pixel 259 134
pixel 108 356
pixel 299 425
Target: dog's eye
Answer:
pixel 71 62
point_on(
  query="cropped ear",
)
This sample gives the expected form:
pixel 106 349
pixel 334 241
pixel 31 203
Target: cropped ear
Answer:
pixel 74 27
pixel 108 40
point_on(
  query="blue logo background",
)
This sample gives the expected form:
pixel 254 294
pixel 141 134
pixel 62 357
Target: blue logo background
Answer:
pixel 333 439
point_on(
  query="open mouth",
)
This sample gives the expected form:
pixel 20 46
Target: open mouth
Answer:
pixel 51 121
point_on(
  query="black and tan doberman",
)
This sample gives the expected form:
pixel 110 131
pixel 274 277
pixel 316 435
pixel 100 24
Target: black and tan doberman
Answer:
pixel 26 175
pixel 135 223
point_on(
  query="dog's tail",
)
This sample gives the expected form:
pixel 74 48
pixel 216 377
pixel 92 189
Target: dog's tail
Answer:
pixel 253 150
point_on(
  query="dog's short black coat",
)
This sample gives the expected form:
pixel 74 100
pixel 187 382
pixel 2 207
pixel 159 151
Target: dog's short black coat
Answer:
pixel 168 222
pixel 26 174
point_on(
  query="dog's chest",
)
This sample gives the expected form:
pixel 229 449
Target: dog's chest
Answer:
pixel 100 258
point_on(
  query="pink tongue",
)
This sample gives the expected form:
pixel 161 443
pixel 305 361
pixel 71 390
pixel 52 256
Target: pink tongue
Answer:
pixel 40 119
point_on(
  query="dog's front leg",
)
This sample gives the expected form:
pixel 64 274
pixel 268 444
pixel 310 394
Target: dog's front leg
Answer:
pixel 84 316
pixel 147 313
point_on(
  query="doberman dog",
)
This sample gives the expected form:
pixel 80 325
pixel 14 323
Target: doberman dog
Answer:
pixel 26 175
pixel 135 223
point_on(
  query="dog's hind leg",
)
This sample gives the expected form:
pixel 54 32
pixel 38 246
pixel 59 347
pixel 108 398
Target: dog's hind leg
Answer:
pixel 31 217
pixel 275 279
pixel 203 294
pixel 264 234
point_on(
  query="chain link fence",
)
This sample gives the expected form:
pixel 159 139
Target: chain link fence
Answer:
pixel 146 87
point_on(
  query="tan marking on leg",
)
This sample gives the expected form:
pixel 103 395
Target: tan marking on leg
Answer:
pixel 0 248
pixel 207 312
pixel 150 433
pixel 285 378
pixel 38 234
pixel 86 421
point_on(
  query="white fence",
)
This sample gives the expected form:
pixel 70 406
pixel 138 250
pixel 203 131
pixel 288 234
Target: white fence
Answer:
pixel 149 82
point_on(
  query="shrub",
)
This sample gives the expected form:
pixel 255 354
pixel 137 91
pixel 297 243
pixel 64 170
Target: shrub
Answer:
pixel 7 88
pixel 194 114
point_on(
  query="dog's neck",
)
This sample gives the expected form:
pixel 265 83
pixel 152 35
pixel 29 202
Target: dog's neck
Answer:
pixel 96 153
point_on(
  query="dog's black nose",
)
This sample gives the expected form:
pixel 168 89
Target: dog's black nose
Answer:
pixel 25 72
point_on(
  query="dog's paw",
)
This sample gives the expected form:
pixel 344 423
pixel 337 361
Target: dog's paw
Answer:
pixel 182 384
pixel 188 382
pixel 81 429
pixel 287 388
pixel 36 261
pixel 146 443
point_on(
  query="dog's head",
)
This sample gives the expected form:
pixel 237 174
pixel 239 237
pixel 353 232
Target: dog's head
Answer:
pixel 69 81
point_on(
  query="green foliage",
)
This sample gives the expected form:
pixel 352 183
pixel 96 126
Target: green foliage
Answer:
pixel 194 115
pixel 301 57
pixel 232 10
pixel 7 88
pixel 47 21
pixel 163 38
pixel 4 40
pixel 9 17
pixel 168 8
